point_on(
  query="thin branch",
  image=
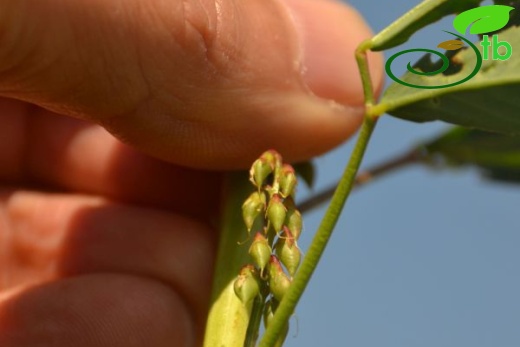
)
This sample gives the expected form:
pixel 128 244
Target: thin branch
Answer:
pixel 412 157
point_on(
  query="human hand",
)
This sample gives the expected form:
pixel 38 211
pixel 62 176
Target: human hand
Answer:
pixel 105 236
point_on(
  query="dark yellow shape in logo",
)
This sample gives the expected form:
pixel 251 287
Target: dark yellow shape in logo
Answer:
pixel 451 45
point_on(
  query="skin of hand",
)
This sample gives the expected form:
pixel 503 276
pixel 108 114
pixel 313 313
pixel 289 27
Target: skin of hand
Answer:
pixel 117 119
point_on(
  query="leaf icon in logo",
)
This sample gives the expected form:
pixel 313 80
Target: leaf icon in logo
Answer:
pixel 485 19
pixel 451 45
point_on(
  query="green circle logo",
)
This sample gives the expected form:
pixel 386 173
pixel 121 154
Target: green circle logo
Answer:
pixel 480 20
pixel 445 65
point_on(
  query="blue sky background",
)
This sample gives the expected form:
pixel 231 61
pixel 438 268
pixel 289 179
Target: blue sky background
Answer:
pixel 420 258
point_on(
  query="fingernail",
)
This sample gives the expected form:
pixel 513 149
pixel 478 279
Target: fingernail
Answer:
pixel 330 32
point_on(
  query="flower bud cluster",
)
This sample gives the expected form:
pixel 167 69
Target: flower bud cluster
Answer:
pixel 274 249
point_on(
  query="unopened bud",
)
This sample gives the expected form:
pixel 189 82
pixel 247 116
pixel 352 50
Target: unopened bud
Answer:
pixel 259 172
pixel 260 251
pixel 279 283
pixel 252 207
pixel 273 158
pixel 247 285
pixel 276 212
pixel 287 181
pixel 288 252
pixel 294 222
pixel 266 164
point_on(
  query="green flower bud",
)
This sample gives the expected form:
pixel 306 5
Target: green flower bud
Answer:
pixel 259 171
pixel 278 281
pixel 294 222
pixel 260 251
pixel 276 212
pixel 288 252
pixel 266 164
pixel 247 284
pixel 252 207
pixel 273 158
pixel 287 180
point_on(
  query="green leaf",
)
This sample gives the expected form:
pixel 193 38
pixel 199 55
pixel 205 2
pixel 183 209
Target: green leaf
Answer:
pixel 514 16
pixel 485 19
pixel 425 13
pixel 497 155
pixel 488 101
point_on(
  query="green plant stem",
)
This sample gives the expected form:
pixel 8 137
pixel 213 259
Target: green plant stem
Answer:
pixel 364 72
pixel 322 236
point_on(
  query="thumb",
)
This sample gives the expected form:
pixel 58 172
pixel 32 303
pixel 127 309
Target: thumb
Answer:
pixel 204 83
